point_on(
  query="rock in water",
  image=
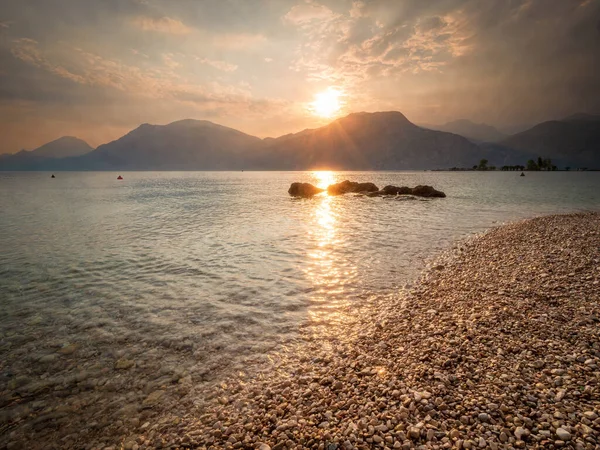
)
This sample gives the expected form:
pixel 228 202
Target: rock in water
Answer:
pixel 346 186
pixel 426 191
pixel 350 187
pixel 395 190
pixel 304 190
pixel 418 191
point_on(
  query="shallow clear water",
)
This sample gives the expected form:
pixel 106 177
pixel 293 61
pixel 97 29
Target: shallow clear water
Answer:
pixel 200 271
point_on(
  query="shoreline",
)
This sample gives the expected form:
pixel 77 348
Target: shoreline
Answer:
pixel 497 346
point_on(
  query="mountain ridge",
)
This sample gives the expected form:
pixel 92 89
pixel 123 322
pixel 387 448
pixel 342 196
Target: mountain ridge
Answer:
pixel 476 132
pixel 384 140
pixel 63 147
pixel 393 143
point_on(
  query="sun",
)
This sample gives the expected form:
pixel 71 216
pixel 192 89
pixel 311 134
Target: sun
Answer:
pixel 327 103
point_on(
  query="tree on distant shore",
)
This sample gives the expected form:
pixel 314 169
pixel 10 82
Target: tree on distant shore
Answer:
pixel 540 164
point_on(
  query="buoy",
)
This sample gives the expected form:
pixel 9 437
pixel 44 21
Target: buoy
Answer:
pixel 119 177
pixel 522 174
pixel 52 176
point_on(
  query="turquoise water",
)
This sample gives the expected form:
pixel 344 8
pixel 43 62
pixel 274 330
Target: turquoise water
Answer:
pixel 202 272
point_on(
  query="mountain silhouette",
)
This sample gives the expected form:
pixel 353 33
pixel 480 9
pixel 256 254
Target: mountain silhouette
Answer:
pixel 369 141
pixel 183 145
pixel 64 147
pixel 476 132
pixel 573 141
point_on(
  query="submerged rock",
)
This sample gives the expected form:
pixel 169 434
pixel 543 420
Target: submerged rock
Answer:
pixel 346 187
pixel 304 190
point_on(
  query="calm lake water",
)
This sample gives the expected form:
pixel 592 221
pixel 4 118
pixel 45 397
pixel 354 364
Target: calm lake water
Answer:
pixel 201 272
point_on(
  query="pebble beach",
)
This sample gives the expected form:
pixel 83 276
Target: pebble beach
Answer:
pixel 497 346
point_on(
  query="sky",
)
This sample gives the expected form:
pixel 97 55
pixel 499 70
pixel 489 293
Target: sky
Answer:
pixel 97 69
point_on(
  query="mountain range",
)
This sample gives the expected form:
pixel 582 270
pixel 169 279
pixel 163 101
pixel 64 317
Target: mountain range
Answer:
pixel 476 132
pixel 359 141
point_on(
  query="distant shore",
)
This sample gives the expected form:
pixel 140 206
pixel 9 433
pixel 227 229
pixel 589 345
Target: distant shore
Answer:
pixel 498 346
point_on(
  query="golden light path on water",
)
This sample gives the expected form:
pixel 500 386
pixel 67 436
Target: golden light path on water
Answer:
pixel 327 270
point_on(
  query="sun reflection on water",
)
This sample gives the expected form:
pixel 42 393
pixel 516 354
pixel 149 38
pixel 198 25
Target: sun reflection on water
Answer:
pixel 324 178
pixel 328 270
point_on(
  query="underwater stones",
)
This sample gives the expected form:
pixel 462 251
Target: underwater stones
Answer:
pixel 123 364
pixel 154 397
pixel 68 349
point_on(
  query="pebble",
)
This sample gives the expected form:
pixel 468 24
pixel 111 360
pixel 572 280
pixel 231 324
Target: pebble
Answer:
pixel 483 417
pixel 563 434
pixel 521 432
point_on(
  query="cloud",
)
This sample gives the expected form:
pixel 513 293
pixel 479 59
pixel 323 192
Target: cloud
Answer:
pixel 237 41
pixel 220 65
pixel 27 50
pixel 94 70
pixel 355 47
pixel 307 12
pixel 161 25
pixel 357 9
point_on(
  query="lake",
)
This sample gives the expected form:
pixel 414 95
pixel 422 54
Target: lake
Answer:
pixel 108 288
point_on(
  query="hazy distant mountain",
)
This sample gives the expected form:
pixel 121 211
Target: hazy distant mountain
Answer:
pixel 582 117
pixel 500 155
pixel 573 141
pixel 63 147
pixel 478 132
pixel 509 130
pixel 182 145
pixel 362 141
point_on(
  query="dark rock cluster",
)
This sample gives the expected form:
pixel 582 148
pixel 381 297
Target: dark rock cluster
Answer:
pixel 369 189
pixel 304 190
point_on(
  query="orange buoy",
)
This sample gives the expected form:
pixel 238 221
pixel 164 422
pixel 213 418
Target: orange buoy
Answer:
pixel 119 177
